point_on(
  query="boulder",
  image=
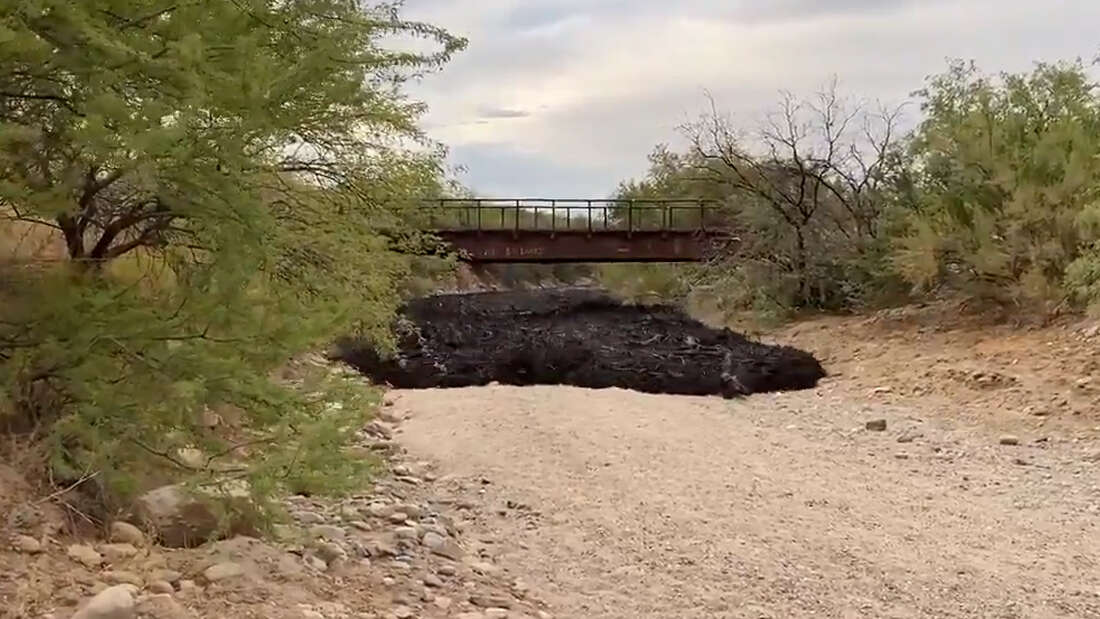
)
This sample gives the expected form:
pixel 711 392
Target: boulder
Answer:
pixel 179 518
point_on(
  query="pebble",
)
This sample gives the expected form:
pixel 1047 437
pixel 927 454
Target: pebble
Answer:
pixel 307 613
pixel 222 571
pixel 1010 439
pixel 876 425
pixel 126 533
pixel 85 555
pixel 447 570
pixel 398 517
pixel 111 603
pixel 495 613
pixel 27 544
pixel 431 580
pixel 188 586
pixel 403 612
pixel 359 524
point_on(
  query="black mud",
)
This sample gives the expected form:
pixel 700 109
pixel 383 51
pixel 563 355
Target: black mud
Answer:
pixel 576 337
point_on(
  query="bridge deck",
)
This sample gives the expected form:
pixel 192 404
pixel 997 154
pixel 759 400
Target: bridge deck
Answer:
pixel 555 231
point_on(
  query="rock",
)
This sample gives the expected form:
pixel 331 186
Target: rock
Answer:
pixel 379 429
pixel 485 568
pixel 442 546
pixel 177 518
pixel 469 616
pixel 490 601
pixel 398 517
pixel 331 551
pixel 316 563
pixel 359 524
pixel 188 586
pixel 191 457
pixel 162 606
pixel 126 533
pixel 306 517
pixel 447 570
pixel 26 544
pixel 120 577
pixel 308 613
pixel 111 603
pixel 85 555
pixel 401 470
pixel 1009 439
pixel 495 613
pixel 222 571
pixel 327 531
pixel 161 586
pixel 403 612
pixel 117 553
pixel 876 425
pixel 442 602
pixel 405 532
pixel 909 436
pixel 171 576
pixel 381 511
pixel 411 511
pixel 431 580
pixel 901 455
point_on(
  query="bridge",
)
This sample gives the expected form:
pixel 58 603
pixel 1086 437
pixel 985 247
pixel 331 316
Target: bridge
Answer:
pixel 537 230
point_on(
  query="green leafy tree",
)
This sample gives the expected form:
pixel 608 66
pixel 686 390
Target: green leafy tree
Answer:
pixel 229 180
pixel 1007 170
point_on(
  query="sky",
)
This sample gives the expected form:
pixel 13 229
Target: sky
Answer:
pixel 565 98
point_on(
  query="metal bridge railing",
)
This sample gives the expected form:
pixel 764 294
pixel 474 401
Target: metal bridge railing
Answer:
pixel 560 215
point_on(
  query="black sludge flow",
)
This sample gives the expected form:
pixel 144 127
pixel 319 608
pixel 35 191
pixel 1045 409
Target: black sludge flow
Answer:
pixel 575 337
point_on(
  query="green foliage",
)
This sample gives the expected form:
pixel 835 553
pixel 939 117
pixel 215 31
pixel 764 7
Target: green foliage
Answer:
pixel 230 181
pixel 1007 171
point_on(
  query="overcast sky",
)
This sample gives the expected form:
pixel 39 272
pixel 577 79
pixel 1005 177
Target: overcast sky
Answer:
pixel 565 98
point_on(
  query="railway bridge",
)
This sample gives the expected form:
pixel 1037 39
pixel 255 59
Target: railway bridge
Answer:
pixel 540 230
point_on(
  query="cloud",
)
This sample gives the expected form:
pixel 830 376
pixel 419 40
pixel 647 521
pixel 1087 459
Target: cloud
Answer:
pixel 489 111
pixel 585 88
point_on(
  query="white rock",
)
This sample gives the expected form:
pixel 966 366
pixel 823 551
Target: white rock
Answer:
pixel 222 571
pixel 85 555
pixel 126 533
pixel 26 544
pixel 111 603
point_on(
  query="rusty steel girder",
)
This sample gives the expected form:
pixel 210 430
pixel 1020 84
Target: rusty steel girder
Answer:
pixel 519 246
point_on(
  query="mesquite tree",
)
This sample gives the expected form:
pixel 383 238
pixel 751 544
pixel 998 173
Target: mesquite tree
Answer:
pixel 217 172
